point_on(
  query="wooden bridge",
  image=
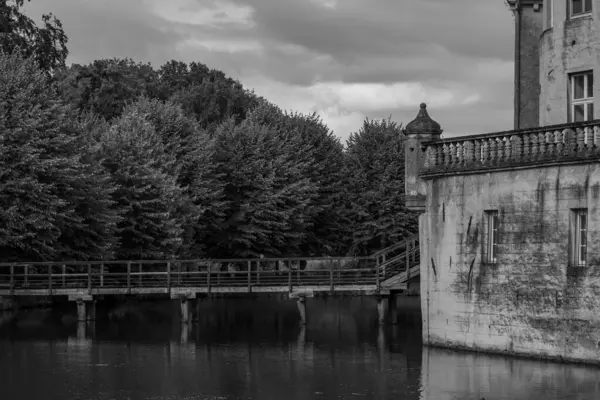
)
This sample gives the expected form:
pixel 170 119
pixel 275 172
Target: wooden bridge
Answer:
pixel 388 269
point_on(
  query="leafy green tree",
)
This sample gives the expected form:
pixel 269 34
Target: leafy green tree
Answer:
pixel 190 145
pixel 375 170
pixel 106 86
pixel 138 162
pixel 47 44
pixel 209 95
pixel 327 231
pixel 266 191
pixel 52 198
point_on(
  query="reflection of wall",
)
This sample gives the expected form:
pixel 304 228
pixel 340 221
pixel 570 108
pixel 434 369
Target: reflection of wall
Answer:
pixel 450 375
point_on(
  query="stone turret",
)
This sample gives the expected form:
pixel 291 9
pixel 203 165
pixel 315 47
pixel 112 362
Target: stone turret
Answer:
pixel 421 130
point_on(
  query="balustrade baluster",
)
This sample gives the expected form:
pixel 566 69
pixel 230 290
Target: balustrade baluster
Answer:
pixel 570 142
pixel 452 148
pixel 526 156
pixel 446 155
pixel 433 152
pixel 560 145
pixel 580 142
pixel 517 147
pixel 535 149
pixel 597 138
pixel 493 151
pixel 469 153
pixel 440 156
pixel 550 151
pixel 477 152
pixel 542 143
pixel 485 158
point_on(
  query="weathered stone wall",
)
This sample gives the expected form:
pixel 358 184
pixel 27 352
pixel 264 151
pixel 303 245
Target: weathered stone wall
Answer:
pixel 571 45
pixel 525 303
pixel 530 27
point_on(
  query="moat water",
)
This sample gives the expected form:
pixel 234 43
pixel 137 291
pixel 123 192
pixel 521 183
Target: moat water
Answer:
pixel 255 349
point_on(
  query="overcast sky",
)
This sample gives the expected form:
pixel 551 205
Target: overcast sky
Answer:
pixel 344 59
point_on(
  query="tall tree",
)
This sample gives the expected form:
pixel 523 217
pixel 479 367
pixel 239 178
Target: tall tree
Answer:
pixel 326 232
pixel 266 191
pixel 47 44
pixel 105 87
pixel 135 156
pixel 375 168
pixel 51 200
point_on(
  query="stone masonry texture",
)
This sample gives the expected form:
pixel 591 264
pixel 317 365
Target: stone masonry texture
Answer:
pixel 569 46
pixel 528 302
pixel 529 71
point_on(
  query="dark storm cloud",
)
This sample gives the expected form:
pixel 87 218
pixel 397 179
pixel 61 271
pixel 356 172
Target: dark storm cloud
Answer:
pixel 291 46
pixel 110 28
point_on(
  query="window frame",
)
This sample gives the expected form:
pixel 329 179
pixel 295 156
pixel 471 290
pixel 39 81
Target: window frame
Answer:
pixel 586 101
pixel 584 13
pixel 580 238
pixel 492 221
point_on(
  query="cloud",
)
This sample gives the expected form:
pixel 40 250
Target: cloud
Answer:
pixel 346 60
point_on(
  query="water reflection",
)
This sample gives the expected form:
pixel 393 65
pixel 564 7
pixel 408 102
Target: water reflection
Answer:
pixel 237 349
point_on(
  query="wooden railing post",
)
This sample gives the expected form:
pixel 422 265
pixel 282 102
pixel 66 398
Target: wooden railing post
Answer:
pixel 377 272
pixel 129 277
pixel 331 266
pixel 168 276
pixel 101 274
pixel 26 275
pixel 384 265
pixel 140 270
pixel 89 278
pixel 249 263
pixel 12 279
pixel 290 275
pixel 258 271
pixel 50 279
pixel 208 267
pixel 64 273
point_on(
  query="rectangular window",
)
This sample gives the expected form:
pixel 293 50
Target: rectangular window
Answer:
pixel 580 7
pixel 492 234
pixel 579 237
pixel 581 96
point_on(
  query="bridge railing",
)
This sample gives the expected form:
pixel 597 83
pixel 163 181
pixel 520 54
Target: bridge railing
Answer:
pixel 128 276
pixel 398 258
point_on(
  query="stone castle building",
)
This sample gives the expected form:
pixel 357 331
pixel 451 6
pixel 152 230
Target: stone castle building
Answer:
pixel 510 222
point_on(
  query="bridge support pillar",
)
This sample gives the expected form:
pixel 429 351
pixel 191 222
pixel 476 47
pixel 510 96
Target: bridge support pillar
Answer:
pixel 300 296
pixel 382 308
pixel 86 307
pixel 184 305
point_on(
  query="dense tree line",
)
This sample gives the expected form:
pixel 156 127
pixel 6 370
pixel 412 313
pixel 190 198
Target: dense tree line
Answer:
pixel 118 160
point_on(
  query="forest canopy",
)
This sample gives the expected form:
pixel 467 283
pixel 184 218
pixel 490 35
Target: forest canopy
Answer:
pixel 119 160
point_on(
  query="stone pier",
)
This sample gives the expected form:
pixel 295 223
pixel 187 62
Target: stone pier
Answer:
pixel 184 303
pixel 382 308
pixel 86 307
pixel 301 296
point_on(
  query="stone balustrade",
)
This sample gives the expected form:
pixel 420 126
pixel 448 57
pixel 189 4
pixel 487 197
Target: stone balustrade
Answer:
pixel 567 143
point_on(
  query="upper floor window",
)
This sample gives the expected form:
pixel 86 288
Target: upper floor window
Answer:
pixel 580 7
pixel 492 235
pixel 581 96
pixel 579 237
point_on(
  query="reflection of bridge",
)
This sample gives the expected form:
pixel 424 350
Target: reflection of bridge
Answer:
pixel 388 269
